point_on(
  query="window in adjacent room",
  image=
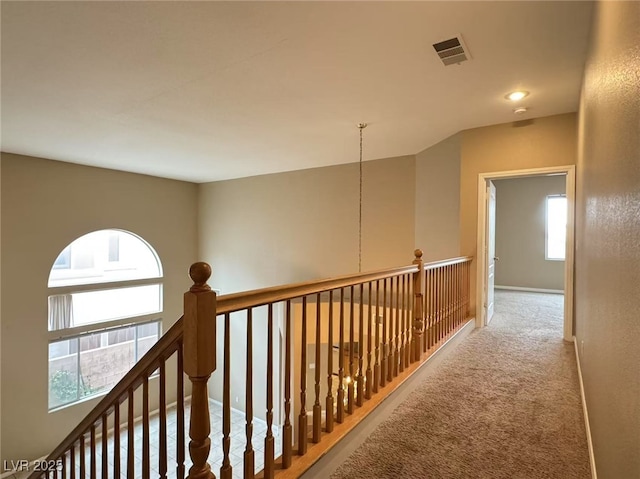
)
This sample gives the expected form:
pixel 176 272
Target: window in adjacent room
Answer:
pixel 105 302
pixel 556 228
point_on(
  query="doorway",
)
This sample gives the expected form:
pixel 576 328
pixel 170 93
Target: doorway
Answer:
pixel 486 241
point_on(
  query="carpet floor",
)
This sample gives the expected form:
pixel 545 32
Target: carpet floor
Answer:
pixel 505 404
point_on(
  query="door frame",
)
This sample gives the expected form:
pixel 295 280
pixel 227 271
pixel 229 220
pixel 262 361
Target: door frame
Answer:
pixel 481 280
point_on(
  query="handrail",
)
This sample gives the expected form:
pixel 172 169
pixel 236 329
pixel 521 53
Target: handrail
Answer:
pixel 447 262
pixel 419 306
pixel 163 348
pixel 230 303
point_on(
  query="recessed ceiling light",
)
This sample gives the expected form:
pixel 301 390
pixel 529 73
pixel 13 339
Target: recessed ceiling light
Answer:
pixel 520 110
pixel 516 95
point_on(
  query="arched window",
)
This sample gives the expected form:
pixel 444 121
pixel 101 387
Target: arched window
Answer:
pixel 105 301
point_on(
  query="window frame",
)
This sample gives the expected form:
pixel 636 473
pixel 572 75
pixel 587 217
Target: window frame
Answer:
pixel 546 228
pixel 78 332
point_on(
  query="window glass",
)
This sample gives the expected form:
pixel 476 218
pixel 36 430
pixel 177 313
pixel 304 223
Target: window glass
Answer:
pixel 84 366
pixel 91 350
pixel 98 306
pixel 556 227
pixel 104 256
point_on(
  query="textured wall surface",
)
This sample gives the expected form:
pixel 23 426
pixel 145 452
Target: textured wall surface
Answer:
pixel 521 232
pixel 438 200
pixel 608 238
pixel 542 142
pixel 45 206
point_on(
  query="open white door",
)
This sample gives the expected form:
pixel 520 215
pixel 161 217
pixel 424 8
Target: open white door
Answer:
pixel 490 254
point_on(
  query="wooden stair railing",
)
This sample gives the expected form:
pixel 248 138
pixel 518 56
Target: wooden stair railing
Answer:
pixel 383 325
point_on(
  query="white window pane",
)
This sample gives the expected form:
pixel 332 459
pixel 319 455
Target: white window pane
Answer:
pixel 147 337
pixel 104 359
pixel 97 306
pixel 556 226
pixel 63 373
pixel 104 256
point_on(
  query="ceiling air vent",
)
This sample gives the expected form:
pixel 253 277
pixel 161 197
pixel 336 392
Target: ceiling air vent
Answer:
pixel 452 51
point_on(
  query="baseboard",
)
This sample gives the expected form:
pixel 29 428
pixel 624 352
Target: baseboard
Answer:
pixel 592 458
pixel 532 290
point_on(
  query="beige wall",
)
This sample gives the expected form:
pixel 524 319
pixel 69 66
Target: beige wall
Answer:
pixel 301 225
pixel 543 142
pixel 1 456
pixel 608 238
pixel 521 233
pixel 438 200
pixel 297 226
pixel 45 206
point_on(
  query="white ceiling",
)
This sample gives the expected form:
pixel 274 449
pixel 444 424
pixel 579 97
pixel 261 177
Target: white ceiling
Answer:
pixel 204 91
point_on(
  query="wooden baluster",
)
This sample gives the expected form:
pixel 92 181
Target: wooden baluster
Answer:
pixel 340 405
pixel 317 407
pixel 406 326
pixel 226 471
pixel 82 453
pixel 408 323
pixel 105 448
pixel 391 328
pixel 302 418
pixel 131 474
pixel 438 306
pixel 410 310
pixel 249 453
pixel 269 447
pixel 457 294
pixel 434 305
pixel 457 289
pixel 402 336
pixel 445 290
pixel 454 297
pixel 350 381
pixel 418 314
pixel 396 338
pixel 449 301
pixel 63 471
pixel 146 460
pixel 445 305
pixel 72 457
pixel 360 373
pixel 116 441
pixel 427 311
pixel 92 459
pixel 328 421
pixel 376 365
pixel 287 430
pixel 180 446
pixel 442 303
pixel 369 372
pixel 468 291
pixel 199 363
pixel 445 297
pixel 384 362
pixel 162 432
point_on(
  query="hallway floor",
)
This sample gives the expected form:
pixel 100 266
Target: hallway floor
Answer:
pixel 505 403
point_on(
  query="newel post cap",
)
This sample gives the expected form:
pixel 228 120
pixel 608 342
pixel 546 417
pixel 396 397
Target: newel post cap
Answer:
pixel 418 254
pixel 200 273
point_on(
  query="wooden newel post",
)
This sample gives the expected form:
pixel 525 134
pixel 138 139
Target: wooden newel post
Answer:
pixel 199 363
pixel 418 310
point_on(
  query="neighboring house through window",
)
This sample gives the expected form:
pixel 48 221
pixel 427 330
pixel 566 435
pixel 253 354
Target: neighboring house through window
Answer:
pixel 105 301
